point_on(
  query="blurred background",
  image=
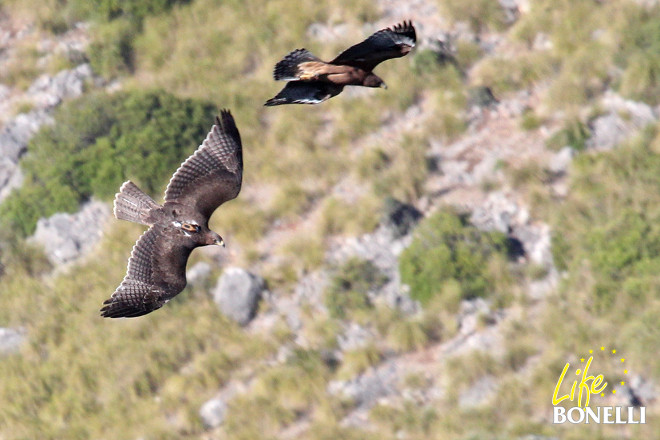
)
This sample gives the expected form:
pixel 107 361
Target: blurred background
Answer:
pixel 412 263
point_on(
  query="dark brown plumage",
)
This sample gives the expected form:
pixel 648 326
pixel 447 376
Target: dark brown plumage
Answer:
pixel 311 80
pixel 157 266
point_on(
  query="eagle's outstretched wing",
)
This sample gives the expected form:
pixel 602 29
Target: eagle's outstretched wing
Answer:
pixel 305 92
pixel 156 273
pixel 213 174
pixel 387 43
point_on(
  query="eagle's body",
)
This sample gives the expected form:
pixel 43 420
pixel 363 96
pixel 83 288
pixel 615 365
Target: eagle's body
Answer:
pixel 334 74
pixel 312 80
pixel 157 266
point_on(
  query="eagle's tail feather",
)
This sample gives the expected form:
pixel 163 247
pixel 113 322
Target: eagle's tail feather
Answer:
pixel 132 204
pixel 288 69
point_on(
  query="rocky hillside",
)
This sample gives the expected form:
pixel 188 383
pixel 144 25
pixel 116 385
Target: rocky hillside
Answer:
pixel 411 263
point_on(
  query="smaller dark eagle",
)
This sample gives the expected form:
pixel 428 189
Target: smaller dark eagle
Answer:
pixel 311 80
pixel 157 267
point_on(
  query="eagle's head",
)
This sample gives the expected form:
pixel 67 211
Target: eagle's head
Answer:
pixel 197 234
pixel 373 80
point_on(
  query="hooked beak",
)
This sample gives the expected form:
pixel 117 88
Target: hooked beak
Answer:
pixel 220 242
pixel 383 85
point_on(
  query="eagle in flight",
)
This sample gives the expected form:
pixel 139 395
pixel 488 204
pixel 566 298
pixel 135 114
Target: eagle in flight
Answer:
pixel 311 80
pixel 157 267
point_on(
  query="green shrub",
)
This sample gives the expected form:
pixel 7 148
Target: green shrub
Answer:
pixel 574 134
pixel 406 169
pixel 610 222
pixel 304 251
pixel 446 249
pixel 107 10
pixel 479 14
pixel 358 361
pixel 291 200
pixel 430 61
pixel 296 384
pixel 115 26
pixel 530 120
pixel 408 335
pixel 341 217
pixel 505 74
pixel 99 141
pixel 324 431
pixel 348 288
pixel 418 422
pixel 22 69
pixel 118 24
pixel 638 54
pixel 279 395
pixel 111 53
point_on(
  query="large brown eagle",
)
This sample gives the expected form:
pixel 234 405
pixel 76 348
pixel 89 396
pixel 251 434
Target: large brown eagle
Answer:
pixel 311 80
pixel 157 266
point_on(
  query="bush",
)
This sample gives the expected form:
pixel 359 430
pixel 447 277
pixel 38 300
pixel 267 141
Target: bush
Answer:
pixel 107 10
pixel 359 360
pixel 348 288
pixel 407 335
pixel 445 250
pixel 574 134
pixel 115 25
pixel 341 217
pixel 118 23
pixel 479 14
pixel 111 53
pixel 99 141
pixel 610 222
pixel 638 55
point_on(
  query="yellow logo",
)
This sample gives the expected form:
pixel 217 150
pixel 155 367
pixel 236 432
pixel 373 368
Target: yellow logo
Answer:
pixel 587 384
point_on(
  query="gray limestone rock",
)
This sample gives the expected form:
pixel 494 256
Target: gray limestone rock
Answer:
pixel 354 337
pixel 623 118
pixel 16 134
pixel 382 248
pixel 636 392
pixel 561 161
pixel 366 389
pixel 237 294
pixel 11 340
pixel 501 213
pixel 213 412
pixel 511 10
pixel 48 91
pixel 66 237
pixel 479 393
pixel 198 274
pixel 11 177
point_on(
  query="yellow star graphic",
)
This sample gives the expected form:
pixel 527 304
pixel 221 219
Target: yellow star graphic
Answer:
pixel 602 348
pixel 581 359
pixel 602 394
pixel 623 360
pixel 591 351
pixel 613 351
pixel 623 383
pixel 613 391
pixel 625 371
